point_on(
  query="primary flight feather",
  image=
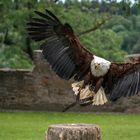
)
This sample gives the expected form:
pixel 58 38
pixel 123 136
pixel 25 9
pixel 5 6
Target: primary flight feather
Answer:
pixel 69 59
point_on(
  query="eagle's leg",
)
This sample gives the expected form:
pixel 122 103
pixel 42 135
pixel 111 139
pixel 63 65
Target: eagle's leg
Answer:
pixel 98 84
pixel 99 97
pixel 86 94
pixel 88 78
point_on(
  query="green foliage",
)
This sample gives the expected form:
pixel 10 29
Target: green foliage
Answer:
pixel 119 36
pixel 14 57
pixel 129 29
pixel 105 43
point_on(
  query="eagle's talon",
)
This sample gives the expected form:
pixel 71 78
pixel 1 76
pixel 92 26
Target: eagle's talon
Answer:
pixel 86 101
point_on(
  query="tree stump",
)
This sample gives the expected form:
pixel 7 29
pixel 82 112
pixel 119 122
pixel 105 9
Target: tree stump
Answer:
pixel 73 132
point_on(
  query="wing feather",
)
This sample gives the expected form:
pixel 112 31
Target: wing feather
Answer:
pixel 67 57
pixel 125 80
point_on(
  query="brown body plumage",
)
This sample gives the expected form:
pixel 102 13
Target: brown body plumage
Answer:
pixel 69 59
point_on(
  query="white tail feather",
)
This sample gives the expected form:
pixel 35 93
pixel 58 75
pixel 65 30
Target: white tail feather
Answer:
pixel 100 97
pixel 86 92
pixel 76 87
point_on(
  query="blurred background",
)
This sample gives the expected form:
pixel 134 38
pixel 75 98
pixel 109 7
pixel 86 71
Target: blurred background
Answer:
pixel 118 36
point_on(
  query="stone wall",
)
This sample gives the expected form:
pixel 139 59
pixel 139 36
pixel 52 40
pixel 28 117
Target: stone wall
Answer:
pixel 41 89
pixel 37 89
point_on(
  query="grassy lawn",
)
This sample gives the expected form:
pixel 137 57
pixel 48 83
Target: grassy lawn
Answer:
pixel 32 125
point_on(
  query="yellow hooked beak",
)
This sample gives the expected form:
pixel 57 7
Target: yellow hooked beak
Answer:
pixel 97 65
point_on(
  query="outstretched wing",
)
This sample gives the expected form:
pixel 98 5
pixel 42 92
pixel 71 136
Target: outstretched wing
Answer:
pixel 62 49
pixel 124 79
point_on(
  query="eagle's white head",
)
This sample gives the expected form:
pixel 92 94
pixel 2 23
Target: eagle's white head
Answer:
pixel 99 66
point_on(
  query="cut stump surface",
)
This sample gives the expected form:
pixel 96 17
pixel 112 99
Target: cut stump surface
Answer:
pixel 73 132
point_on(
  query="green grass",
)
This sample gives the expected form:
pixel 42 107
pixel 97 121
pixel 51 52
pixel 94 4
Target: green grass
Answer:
pixel 32 125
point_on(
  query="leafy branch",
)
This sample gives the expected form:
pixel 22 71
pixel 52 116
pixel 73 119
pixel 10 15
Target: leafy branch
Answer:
pixel 95 27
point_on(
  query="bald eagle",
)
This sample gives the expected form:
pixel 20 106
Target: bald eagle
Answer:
pixel 95 77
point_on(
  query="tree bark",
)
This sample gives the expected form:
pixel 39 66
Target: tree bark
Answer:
pixel 94 28
pixel 73 132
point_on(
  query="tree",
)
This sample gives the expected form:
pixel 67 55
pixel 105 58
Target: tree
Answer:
pixel 120 34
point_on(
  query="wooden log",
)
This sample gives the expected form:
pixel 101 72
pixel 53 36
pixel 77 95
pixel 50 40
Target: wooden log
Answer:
pixel 73 132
